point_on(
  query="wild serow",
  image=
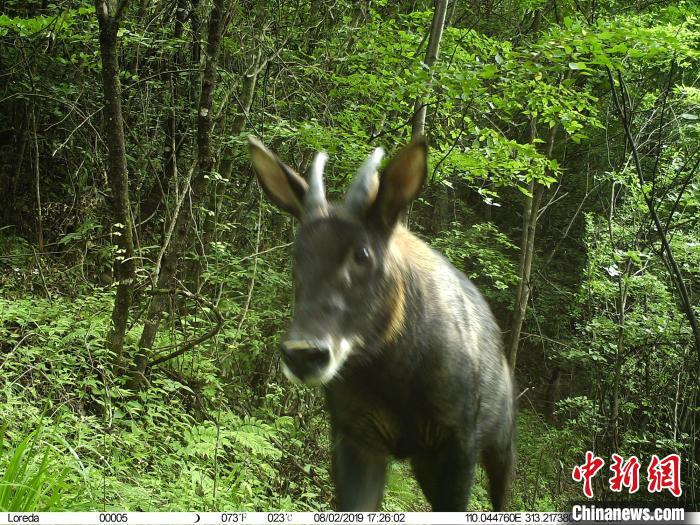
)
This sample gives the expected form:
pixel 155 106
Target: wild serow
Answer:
pixel 407 350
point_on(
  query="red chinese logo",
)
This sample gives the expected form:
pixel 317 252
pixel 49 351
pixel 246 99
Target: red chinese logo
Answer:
pixel 586 472
pixel 665 474
pixel 662 474
pixel 625 474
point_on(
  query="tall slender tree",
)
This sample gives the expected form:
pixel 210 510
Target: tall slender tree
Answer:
pixel 431 55
pixel 109 15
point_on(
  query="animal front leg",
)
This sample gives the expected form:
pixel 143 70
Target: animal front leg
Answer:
pixel 446 476
pixel 359 476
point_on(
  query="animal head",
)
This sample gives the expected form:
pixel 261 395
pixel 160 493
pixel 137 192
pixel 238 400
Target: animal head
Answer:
pixel 349 295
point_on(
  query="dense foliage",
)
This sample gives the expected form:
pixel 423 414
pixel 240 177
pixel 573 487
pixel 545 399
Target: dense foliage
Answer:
pixel 144 282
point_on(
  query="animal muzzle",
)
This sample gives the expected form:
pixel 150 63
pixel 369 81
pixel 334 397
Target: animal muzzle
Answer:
pixel 306 360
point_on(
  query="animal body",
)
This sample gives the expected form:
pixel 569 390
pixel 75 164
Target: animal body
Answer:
pixel 406 349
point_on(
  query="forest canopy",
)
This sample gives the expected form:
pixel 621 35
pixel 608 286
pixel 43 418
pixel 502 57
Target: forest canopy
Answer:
pixel 145 280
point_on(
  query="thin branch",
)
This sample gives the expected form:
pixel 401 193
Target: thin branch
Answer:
pixel 687 180
pixel 41 274
pixel 279 246
pixel 669 259
pixel 660 130
pixel 255 270
pixel 456 141
pixel 173 220
pixel 188 345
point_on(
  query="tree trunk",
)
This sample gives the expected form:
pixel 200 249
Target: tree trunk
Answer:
pixel 527 247
pixel 21 140
pixel 621 307
pixel 245 101
pixel 108 16
pixel 619 359
pixel 431 56
pixel 172 140
pixel 531 209
pixel 205 161
pixel 37 188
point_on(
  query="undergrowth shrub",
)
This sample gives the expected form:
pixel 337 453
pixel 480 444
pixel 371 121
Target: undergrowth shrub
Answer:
pixel 191 440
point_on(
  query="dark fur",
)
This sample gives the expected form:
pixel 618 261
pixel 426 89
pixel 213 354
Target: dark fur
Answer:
pixel 428 380
pixel 427 397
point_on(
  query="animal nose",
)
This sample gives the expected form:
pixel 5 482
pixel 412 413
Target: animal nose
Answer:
pixel 305 357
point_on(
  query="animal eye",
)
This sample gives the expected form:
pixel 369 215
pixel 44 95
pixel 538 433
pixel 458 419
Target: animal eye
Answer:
pixel 361 255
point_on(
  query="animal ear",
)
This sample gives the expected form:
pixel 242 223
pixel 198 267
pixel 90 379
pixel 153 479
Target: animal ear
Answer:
pixel 282 184
pixel 401 181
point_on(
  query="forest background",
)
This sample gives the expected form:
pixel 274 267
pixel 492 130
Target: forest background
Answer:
pixel 144 282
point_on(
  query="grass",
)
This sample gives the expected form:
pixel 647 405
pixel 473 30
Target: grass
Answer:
pixel 29 482
pixel 33 480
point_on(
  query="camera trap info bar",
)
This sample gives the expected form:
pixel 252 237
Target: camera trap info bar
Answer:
pixel 669 515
